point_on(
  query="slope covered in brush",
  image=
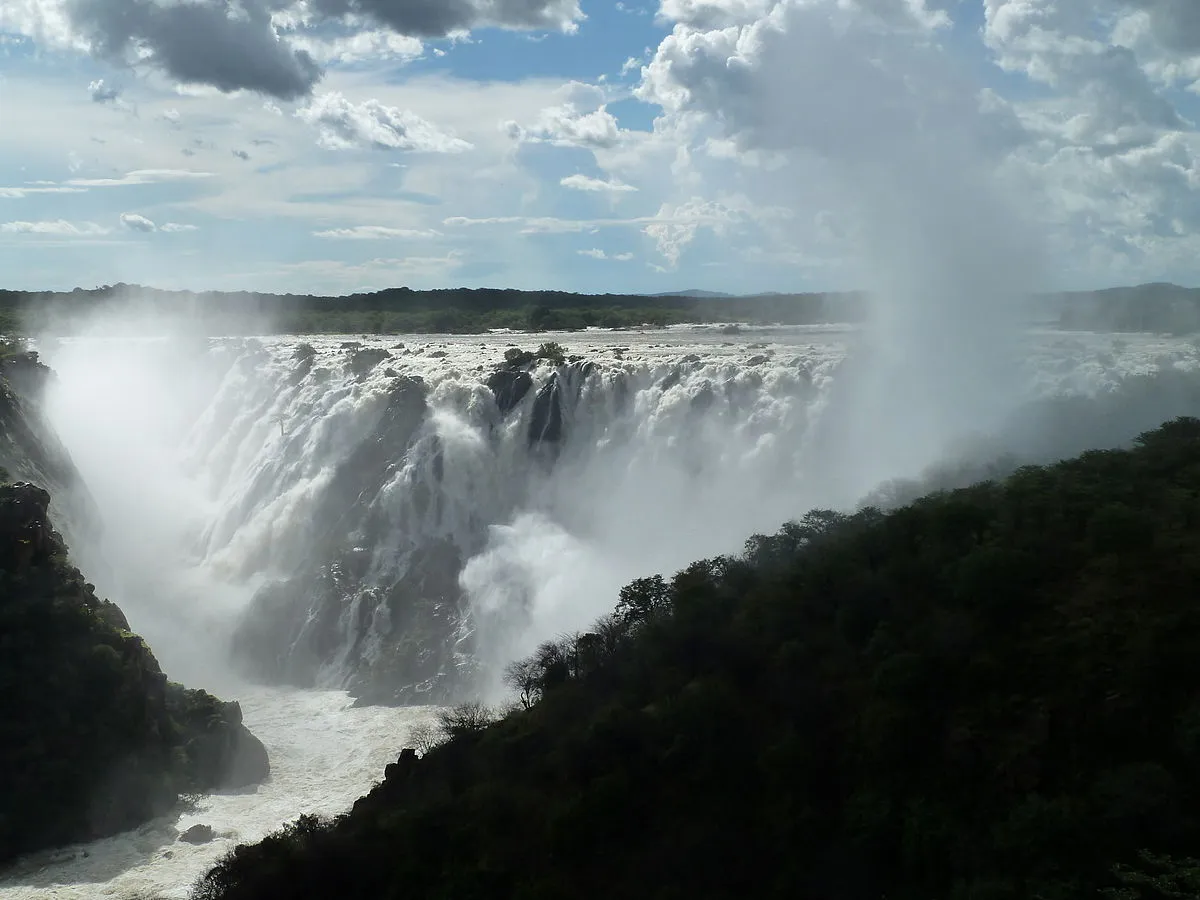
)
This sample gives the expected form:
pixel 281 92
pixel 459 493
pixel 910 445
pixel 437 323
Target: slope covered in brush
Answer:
pixel 93 738
pixel 989 693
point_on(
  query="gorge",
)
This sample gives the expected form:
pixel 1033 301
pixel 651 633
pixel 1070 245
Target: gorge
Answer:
pixel 324 528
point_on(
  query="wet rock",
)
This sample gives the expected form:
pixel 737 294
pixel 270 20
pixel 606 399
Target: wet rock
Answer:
pixel 703 399
pixel 516 358
pixel 221 752
pixel 26 538
pixel 546 419
pixel 509 387
pixel 363 361
pixel 198 834
pixel 580 369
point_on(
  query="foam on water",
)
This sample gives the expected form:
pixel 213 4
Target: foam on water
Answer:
pixel 324 755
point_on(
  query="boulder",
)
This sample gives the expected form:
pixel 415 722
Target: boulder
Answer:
pixel 509 387
pixel 198 834
pixel 364 360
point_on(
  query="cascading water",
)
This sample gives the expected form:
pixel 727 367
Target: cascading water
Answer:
pixel 344 488
pixel 400 521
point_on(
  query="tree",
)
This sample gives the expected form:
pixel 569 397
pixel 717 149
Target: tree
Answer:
pixel 525 677
pixel 641 599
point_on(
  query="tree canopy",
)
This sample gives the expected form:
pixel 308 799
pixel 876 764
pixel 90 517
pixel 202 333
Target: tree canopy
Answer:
pixel 987 693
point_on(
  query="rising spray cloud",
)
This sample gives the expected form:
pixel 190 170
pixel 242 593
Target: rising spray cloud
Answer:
pixel 861 97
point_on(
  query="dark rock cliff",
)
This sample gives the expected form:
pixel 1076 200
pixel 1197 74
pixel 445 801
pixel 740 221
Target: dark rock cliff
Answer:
pixel 30 450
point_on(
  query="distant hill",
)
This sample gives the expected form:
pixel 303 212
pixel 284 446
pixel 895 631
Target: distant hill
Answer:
pixel 403 310
pixel 1158 307
pixel 694 292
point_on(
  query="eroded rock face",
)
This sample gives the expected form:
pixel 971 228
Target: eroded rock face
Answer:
pixel 509 387
pixel 30 450
pixel 377 609
pixel 221 752
pixel 93 738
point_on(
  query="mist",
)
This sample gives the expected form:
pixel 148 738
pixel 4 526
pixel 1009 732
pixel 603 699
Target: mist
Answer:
pixel 131 381
pixel 226 468
pixel 907 148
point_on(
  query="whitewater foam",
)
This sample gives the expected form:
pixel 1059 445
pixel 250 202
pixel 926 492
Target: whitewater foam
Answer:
pixel 246 462
pixel 324 755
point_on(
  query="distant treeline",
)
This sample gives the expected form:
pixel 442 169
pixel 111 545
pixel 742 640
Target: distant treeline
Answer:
pixel 1164 308
pixel 402 310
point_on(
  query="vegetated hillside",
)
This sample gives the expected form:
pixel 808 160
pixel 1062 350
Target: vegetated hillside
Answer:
pixel 1163 308
pixel 989 693
pixel 93 738
pixel 401 310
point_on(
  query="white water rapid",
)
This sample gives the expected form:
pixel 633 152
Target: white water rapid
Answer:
pixel 336 525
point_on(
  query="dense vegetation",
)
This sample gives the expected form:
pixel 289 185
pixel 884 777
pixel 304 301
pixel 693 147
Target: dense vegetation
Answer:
pixel 405 311
pixel 93 738
pixel 988 693
pixel 1149 307
pixel 1163 308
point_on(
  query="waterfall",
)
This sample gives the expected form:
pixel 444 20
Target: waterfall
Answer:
pixel 400 519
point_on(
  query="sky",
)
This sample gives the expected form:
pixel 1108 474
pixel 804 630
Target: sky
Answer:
pixel 333 146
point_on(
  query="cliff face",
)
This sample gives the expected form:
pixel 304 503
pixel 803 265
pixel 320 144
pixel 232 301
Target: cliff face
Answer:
pixel 29 447
pixel 93 738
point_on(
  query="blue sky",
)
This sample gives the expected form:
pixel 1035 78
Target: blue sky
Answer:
pixel 738 145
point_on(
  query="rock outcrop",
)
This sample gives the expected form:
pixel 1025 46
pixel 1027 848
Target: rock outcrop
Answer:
pixel 30 450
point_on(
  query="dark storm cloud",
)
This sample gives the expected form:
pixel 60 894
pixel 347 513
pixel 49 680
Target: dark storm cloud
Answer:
pixel 228 45
pixel 234 45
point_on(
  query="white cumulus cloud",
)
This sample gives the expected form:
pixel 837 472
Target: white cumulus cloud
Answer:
pixel 56 227
pixel 375 232
pixel 343 124
pixel 135 222
pixel 597 253
pixel 586 183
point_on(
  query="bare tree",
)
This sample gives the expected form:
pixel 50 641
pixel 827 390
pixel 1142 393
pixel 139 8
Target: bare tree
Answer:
pixel 425 736
pixel 525 677
pixel 466 718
